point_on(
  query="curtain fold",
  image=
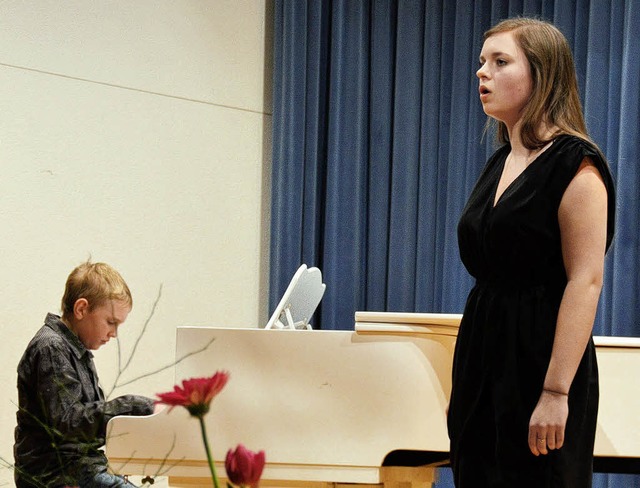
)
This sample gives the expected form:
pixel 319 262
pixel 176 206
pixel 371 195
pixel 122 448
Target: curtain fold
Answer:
pixel 378 139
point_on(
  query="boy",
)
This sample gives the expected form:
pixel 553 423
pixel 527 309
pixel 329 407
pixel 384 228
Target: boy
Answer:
pixel 62 414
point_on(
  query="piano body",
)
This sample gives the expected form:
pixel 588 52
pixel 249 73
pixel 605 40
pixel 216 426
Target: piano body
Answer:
pixel 617 448
pixel 338 407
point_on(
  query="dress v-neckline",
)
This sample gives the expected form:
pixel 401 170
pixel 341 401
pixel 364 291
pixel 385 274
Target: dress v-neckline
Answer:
pixel 496 200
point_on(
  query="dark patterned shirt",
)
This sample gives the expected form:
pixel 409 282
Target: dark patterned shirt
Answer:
pixel 62 414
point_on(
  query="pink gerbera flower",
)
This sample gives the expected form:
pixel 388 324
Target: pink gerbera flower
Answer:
pixel 195 394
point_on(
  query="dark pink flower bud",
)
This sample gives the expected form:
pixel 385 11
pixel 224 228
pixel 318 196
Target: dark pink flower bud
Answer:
pixel 244 467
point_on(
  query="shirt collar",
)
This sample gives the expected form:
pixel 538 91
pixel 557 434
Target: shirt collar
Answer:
pixel 55 323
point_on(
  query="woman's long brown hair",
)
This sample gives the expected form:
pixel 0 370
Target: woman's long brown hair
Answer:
pixel 554 101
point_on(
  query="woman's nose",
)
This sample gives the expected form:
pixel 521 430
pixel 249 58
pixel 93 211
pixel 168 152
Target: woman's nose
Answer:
pixel 481 73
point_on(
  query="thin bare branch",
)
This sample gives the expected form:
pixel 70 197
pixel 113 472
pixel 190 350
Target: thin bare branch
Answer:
pixel 144 328
pixel 177 361
pixel 122 369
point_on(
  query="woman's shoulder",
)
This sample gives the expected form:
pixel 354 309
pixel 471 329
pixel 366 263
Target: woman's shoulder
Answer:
pixel 579 147
pixel 570 153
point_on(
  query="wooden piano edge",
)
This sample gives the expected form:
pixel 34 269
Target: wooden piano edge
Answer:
pixel 601 464
pixel 368 328
pixel 413 475
pixel 195 473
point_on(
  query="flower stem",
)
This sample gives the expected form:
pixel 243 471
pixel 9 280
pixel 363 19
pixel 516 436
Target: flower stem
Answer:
pixel 212 467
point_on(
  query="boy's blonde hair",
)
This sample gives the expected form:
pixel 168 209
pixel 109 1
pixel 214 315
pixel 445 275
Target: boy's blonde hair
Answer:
pixel 97 283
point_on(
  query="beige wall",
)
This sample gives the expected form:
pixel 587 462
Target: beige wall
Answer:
pixel 137 133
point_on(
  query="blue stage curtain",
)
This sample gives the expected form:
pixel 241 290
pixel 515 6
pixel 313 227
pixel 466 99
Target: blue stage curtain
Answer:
pixel 378 139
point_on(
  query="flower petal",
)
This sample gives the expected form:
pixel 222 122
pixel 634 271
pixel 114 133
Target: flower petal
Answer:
pixel 244 467
pixel 195 394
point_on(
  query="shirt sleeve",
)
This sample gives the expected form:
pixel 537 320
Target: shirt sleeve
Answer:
pixel 128 405
pixel 70 404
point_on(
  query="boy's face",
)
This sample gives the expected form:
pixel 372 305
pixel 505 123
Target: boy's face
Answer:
pixel 96 327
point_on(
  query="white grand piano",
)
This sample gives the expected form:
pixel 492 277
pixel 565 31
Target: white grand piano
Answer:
pixel 332 408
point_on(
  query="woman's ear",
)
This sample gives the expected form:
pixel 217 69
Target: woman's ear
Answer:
pixel 80 308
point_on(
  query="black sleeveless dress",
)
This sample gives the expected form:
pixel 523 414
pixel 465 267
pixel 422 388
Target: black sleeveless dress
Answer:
pixel 504 344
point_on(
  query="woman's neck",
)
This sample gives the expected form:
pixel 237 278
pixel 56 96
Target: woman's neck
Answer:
pixel 544 133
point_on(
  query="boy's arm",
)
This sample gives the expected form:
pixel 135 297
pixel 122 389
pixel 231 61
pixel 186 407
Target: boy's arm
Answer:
pixel 63 398
pixel 128 405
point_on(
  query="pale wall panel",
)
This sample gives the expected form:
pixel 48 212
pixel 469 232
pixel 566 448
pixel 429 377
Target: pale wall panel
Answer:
pixel 173 192
pixel 210 50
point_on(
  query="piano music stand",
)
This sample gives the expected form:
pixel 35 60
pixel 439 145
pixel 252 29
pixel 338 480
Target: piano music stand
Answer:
pixel 300 300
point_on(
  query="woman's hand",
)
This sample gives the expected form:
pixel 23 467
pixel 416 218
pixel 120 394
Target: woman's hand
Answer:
pixel 549 418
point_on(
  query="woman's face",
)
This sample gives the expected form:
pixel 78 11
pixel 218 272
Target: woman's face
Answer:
pixel 505 78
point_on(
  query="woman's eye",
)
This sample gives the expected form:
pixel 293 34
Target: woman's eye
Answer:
pixel 501 62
